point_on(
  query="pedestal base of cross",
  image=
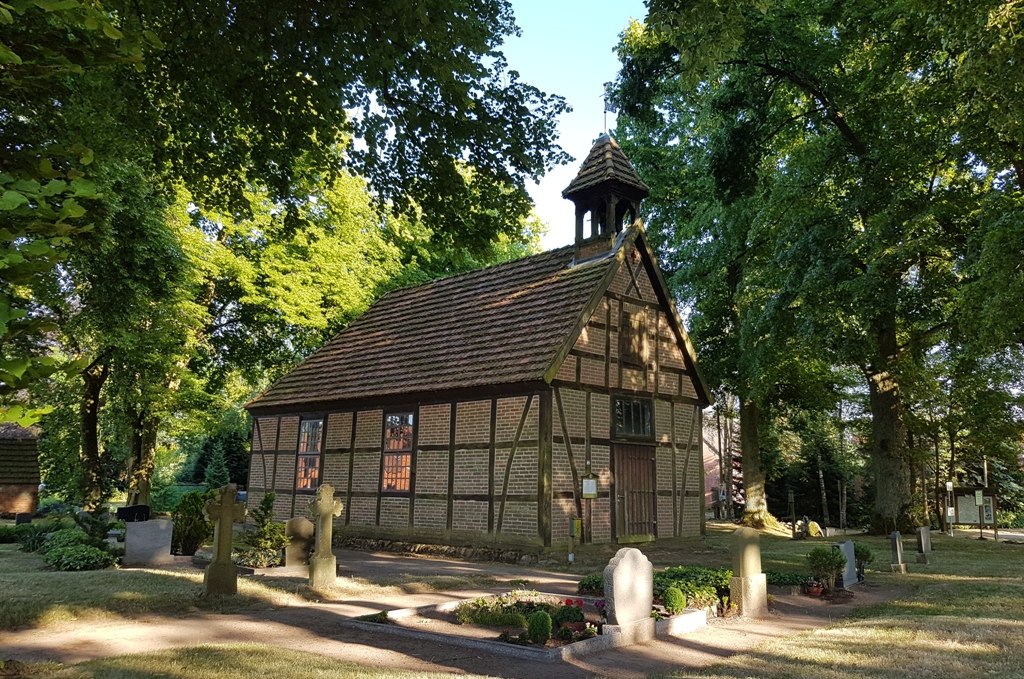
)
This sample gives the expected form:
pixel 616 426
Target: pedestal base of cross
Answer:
pixel 323 572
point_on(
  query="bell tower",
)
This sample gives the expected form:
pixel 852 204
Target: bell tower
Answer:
pixel 606 192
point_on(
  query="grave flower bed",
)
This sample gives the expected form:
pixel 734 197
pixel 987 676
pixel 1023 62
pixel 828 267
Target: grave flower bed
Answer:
pixel 703 587
pixel 527 617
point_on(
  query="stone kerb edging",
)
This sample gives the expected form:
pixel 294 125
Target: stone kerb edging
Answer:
pixel 613 636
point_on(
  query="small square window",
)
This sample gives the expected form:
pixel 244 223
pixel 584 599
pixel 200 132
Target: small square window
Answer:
pixel 632 418
pixel 396 472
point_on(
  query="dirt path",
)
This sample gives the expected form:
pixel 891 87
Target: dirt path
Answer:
pixel 323 629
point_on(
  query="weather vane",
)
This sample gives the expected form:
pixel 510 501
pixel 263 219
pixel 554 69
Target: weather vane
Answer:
pixel 609 105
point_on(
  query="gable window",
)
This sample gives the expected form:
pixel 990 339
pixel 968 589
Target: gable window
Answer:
pixel 633 338
pixel 307 468
pixel 632 418
pixel 397 453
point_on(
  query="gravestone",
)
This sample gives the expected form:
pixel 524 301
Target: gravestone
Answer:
pixel 323 566
pixel 22 518
pixel 924 543
pixel 896 541
pixel 221 575
pixel 299 531
pixel 629 596
pixel 133 513
pixel 628 587
pixel 850 570
pixel 749 586
pixel 148 543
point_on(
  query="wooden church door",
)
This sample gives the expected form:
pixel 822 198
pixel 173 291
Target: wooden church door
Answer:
pixel 635 490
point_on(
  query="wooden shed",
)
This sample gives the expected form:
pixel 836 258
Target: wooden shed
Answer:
pixel 19 469
pixel 478 408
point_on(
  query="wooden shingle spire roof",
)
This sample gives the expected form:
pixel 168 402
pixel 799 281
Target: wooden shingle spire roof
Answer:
pixel 499 325
pixel 606 164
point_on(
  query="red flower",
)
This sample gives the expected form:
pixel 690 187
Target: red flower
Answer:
pixel 568 602
pixel 579 603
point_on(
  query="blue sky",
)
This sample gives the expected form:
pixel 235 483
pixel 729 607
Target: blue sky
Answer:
pixel 566 48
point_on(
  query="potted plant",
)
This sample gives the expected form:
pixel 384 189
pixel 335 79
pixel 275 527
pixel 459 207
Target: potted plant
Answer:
pixel 813 587
pixel 826 564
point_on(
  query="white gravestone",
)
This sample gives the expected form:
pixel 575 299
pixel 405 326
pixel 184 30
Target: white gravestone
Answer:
pixel 896 542
pixel 629 595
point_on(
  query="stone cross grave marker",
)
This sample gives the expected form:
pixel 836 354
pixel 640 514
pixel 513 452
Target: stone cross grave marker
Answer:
pixel 222 575
pixel 924 543
pixel 628 587
pixel 323 566
pixel 299 531
pixel 850 570
pixel 749 586
pixel 897 565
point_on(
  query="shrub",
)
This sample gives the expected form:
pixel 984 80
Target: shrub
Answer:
pixel 96 525
pixel 191 529
pixel 32 536
pixel 862 554
pixel 78 558
pixel 675 600
pixel 8 534
pixel 591 584
pixel 780 578
pixel 267 539
pixel 65 537
pixel 703 587
pixel 826 564
pixel 538 627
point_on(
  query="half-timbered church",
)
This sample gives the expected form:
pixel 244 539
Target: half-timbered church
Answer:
pixel 494 407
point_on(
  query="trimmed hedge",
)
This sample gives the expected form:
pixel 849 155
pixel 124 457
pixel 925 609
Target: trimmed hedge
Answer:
pixel 701 586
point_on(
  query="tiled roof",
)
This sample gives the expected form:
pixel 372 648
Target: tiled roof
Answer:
pixel 500 325
pixel 18 457
pixel 606 162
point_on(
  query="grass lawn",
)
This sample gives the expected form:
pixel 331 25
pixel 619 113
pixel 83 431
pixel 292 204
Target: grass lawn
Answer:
pixel 962 617
pixel 221 662
pixel 35 597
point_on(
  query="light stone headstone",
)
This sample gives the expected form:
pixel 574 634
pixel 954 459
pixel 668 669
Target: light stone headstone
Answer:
pixel 221 575
pixel 850 570
pixel 628 587
pixel 749 586
pixel 924 543
pixel 896 542
pixel 148 543
pixel 300 532
pixel 323 566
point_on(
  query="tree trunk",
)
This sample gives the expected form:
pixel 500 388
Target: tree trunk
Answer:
pixel 824 496
pixel 93 378
pixel 140 465
pixel 888 435
pixel 756 513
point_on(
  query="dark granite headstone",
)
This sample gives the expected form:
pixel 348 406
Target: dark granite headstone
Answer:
pixel 133 513
pixel 22 517
pixel 300 541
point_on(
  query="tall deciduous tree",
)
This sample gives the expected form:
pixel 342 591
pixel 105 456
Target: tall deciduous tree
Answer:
pixel 865 178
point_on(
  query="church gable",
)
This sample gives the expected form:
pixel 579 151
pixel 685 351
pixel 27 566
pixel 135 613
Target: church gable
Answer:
pixel 629 342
